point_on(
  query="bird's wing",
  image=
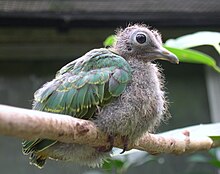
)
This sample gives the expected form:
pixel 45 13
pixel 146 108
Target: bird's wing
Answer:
pixel 81 87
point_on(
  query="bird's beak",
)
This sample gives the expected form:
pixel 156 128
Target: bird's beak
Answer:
pixel 163 54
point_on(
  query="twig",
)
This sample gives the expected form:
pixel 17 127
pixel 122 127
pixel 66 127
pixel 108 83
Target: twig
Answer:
pixel 30 124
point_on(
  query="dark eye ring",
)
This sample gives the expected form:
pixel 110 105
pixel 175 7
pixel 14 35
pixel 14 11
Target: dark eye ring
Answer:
pixel 141 38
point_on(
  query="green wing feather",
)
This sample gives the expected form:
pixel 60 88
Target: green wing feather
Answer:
pixel 79 87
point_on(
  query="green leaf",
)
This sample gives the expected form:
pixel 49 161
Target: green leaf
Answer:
pixel 193 56
pixel 196 39
pixel 215 138
pixel 109 41
pixel 215 163
pixel 179 47
pixel 113 163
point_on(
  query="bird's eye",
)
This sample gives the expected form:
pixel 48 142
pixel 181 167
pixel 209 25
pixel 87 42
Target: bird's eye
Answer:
pixel 141 38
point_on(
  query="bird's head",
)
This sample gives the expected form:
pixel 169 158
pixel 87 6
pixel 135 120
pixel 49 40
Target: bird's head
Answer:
pixel 138 41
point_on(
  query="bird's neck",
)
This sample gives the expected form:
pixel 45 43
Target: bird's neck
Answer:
pixel 138 64
pixel 147 73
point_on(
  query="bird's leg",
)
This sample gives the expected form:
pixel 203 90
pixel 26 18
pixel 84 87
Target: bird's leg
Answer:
pixel 110 140
pixel 125 143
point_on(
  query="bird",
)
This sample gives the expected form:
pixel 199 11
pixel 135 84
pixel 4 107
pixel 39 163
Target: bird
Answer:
pixel 120 89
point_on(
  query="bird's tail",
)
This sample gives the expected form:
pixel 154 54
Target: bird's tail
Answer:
pixel 78 153
pixel 40 150
pixel 36 149
pixel 37 160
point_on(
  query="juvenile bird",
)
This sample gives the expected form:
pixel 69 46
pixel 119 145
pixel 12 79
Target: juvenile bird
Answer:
pixel 118 88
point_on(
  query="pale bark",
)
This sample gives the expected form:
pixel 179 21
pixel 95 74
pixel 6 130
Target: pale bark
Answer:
pixel 30 124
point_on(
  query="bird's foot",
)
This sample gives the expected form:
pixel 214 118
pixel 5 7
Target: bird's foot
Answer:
pixel 111 138
pixel 109 147
pixel 125 143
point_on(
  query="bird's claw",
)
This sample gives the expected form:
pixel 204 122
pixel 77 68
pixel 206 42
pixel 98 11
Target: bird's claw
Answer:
pixel 111 138
pixel 107 148
pixel 125 142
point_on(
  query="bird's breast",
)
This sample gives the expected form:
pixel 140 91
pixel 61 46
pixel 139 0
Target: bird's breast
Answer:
pixel 145 94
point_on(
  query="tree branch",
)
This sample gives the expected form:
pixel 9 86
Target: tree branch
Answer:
pixel 30 124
